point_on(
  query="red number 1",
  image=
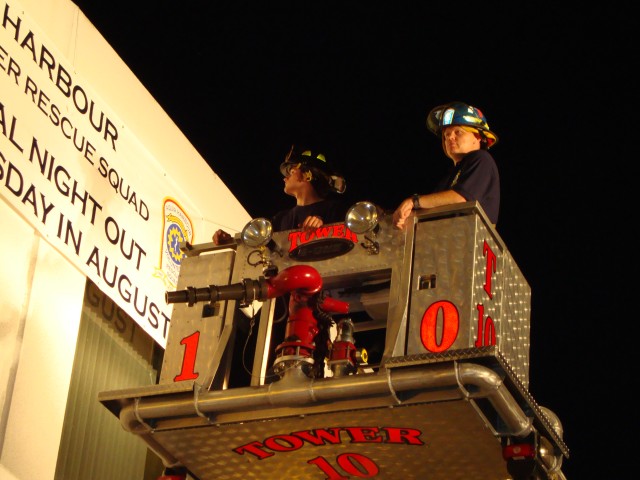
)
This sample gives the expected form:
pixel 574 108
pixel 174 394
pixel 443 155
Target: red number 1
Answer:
pixel 189 360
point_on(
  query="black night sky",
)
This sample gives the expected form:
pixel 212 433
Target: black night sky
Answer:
pixel 245 80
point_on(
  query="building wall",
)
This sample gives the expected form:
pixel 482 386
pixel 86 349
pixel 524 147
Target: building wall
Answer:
pixel 40 303
pixel 42 285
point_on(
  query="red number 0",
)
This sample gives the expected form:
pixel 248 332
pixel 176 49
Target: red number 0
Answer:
pixel 450 326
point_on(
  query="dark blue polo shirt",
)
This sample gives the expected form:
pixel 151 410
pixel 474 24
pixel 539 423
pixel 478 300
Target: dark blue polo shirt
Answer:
pixel 475 177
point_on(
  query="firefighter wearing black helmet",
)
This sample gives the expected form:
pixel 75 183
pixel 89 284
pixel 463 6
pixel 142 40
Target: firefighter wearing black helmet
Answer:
pixel 309 178
pixel 466 139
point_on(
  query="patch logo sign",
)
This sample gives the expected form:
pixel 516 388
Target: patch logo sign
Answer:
pixel 176 229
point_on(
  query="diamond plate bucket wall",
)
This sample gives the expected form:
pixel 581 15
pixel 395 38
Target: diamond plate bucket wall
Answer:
pixel 467 292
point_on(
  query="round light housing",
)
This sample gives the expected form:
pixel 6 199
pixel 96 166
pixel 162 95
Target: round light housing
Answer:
pixel 362 217
pixel 257 233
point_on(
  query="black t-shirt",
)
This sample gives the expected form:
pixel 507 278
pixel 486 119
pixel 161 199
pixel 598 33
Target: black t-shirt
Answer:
pixel 331 210
pixel 475 177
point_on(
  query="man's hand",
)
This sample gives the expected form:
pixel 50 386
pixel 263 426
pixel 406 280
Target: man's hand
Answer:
pixel 402 213
pixel 312 222
pixel 222 238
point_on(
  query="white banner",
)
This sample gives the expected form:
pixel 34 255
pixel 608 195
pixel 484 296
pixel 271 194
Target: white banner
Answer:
pixel 75 172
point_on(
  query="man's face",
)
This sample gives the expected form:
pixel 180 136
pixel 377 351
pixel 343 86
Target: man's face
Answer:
pixel 457 142
pixel 293 180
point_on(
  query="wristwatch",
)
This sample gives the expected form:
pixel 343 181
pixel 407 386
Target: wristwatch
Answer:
pixel 416 201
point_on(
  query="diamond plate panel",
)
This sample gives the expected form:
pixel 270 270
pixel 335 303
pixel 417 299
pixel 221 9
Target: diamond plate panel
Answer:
pixel 461 261
pixel 196 271
pixel 454 443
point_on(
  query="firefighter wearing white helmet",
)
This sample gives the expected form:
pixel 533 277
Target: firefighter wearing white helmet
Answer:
pixel 466 139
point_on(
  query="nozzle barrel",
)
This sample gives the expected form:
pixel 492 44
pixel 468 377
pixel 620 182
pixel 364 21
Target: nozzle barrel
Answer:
pixel 245 291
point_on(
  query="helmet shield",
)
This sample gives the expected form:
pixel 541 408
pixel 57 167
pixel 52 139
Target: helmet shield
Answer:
pixel 458 113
